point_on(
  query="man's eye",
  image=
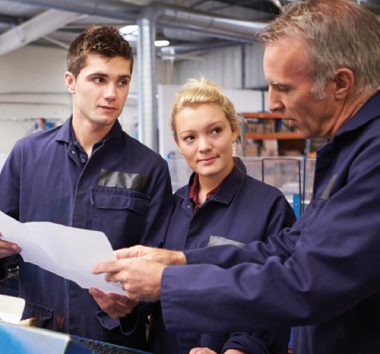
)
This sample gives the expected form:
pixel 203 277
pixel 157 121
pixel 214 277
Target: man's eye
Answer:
pixel 99 80
pixel 123 82
pixel 282 88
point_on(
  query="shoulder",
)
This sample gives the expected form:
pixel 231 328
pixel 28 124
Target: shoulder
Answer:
pixel 142 151
pixel 36 140
pixel 253 185
pixel 372 130
pixel 35 147
pixel 261 195
pixel 267 200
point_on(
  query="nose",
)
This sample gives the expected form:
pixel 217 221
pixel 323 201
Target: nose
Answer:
pixel 204 144
pixel 274 101
pixel 110 92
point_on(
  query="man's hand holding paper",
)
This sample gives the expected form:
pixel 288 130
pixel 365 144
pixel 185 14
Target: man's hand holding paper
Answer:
pixel 137 270
pixel 114 305
pixel 8 248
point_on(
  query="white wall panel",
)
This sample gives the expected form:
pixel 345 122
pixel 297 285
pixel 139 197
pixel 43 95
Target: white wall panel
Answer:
pixel 32 85
pixel 254 65
pixel 224 66
pixel 27 76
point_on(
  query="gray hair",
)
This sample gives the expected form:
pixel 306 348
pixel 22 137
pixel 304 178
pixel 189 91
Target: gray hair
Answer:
pixel 338 34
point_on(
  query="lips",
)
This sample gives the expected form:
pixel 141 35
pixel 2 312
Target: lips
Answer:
pixel 207 160
pixel 108 108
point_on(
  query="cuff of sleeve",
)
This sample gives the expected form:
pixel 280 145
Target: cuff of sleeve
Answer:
pixel 106 321
pixel 128 324
pixel 194 256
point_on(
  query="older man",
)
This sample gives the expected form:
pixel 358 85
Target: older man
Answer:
pixel 322 63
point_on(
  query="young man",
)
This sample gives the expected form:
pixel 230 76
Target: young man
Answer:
pixel 89 174
pixel 322 63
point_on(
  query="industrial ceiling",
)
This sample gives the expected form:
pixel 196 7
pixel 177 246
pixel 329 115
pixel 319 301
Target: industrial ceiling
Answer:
pixel 189 25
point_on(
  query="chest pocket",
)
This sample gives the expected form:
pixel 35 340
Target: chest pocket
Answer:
pixel 115 198
pixel 119 213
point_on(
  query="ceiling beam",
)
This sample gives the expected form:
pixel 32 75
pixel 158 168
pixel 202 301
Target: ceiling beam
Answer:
pixel 166 15
pixel 110 9
pixel 35 28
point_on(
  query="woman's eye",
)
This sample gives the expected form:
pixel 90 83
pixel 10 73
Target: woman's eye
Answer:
pixel 216 130
pixel 188 138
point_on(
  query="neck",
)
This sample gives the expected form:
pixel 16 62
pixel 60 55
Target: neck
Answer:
pixel 88 134
pixel 209 183
pixel 350 107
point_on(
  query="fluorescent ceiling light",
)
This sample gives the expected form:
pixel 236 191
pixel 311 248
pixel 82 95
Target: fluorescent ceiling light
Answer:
pixel 130 32
pixel 161 43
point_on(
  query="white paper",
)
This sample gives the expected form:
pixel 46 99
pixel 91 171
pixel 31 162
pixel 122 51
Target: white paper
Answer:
pixel 66 251
pixel 11 308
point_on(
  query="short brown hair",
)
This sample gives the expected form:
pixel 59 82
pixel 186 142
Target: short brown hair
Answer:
pixel 102 40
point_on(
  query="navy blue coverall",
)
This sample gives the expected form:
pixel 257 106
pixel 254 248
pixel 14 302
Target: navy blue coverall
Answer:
pixel 123 190
pixel 243 209
pixel 322 275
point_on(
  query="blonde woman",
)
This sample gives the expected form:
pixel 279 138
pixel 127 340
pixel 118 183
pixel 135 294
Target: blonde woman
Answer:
pixel 221 204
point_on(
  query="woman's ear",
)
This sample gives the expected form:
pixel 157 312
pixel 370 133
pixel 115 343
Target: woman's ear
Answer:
pixel 344 82
pixel 235 135
pixel 70 81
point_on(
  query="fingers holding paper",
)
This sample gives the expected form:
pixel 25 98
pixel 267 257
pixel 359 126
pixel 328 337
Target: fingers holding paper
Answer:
pixel 139 277
pixel 139 270
pixel 160 255
pixel 135 252
pixel 8 248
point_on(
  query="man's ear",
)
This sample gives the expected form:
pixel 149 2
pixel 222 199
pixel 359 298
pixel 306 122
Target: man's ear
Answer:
pixel 70 81
pixel 344 82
